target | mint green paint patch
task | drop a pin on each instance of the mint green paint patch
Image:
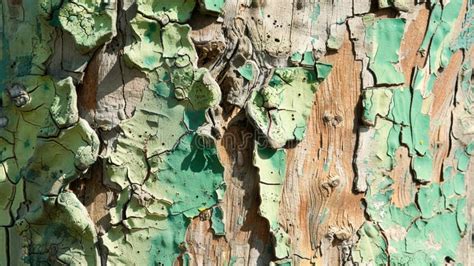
(430, 200)
(400, 106)
(466, 37)
(147, 50)
(177, 42)
(459, 184)
(376, 102)
(423, 167)
(188, 177)
(175, 10)
(370, 249)
(71, 232)
(385, 36)
(322, 70)
(280, 110)
(271, 166)
(470, 148)
(247, 71)
(438, 36)
(296, 58)
(393, 140)
(183, 181)
(433, 244)
(217, 222)
(215, 6)
(461, 215)
(420, 124)
(463, 160)
(308, 59)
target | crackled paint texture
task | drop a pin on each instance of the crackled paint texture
(45, 146)
(116, 116)
(396, 116)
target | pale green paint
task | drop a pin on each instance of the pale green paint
(280, 110)
(89, 22)
(167, 173)
(271, 166)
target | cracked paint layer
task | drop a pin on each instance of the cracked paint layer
(271, 166)
(90, 22)
(165, 163)
(280, 110)
(44, 147)
(399, 116)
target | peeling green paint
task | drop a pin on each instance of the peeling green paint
(385, 35)
(398, 116)
(212, 6)
(164, 164)
(281, 110)
(90, 22)
(271, 166)
(44, 147)
(217, 221)
(370, 248)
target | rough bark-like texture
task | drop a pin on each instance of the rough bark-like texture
(236, 132)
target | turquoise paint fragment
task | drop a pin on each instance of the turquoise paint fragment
(385, 35)
(423, 167)
(247, 71)
(213, 6)
(217, 222)
(462, 159)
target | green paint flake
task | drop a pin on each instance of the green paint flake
(174, 10)
(166, 170)
(376, 102)
(463, 160)
(429, 200)
(393, 140)
(400, 106)
(423, 167)
(281, 109)
(384, 36)
(322, 70)
(90, 23)
(420, 124)
(296, 58)
(247, 71)
(271, 166)
(217, 222)
(308, 59)
(147, 51)
(212, 6)
(370, 249)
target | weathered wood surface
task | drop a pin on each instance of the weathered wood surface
(337, 190)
